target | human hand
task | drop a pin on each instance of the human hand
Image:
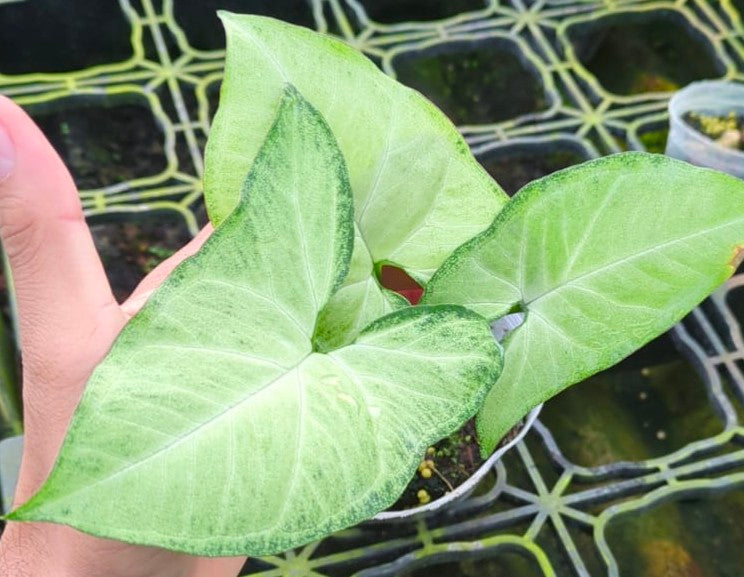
(68, 320)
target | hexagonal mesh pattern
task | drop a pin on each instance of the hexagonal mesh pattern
(602, 485)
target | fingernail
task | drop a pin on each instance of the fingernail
(7, 154)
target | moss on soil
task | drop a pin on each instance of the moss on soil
(727, 130)
(450, 463)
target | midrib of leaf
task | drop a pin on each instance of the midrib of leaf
(348, 371)
(504, 280)
(264, 298)
(218, 418)
(615, 302)
(629, 258)
(298, 446)
(579, 248)
(560, 333)
(301, 233)
(374, 191)
(267, 53)
(423, 215)
(378, 174)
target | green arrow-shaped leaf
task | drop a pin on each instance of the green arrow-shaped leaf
(418, 191)
(213, 428)
(603, 257)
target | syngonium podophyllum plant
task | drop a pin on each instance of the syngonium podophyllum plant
(271, 391)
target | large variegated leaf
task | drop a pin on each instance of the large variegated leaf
(603, 257)
(418, 191)
(214, 428)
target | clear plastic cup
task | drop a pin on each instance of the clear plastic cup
(712, 97)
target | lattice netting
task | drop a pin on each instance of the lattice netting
(638, 471)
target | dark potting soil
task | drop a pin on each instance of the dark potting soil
(726, 130)
(104, 142)
(641, 52)
(129, 250)
(515, 167)
(474, 82)
(449, 463)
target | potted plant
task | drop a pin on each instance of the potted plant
(272, 391)
(707, 125)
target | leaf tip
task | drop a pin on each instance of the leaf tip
(226, 16)
(291, 94)
(20, 513)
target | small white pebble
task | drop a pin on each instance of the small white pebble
(729, 139)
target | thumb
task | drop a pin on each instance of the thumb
(64, 300)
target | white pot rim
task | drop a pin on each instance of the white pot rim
(468, 486)
(696, 96)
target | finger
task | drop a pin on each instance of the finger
(153, 280)
(64, 299)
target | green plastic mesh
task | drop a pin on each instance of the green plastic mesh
(636, 472)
